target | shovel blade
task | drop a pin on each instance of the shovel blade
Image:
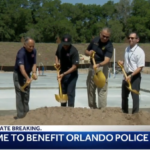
(99, 79)
(61, 98)
(134, 91)
(64, 97)
(57, 97)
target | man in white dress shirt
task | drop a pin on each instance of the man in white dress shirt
(134, 61)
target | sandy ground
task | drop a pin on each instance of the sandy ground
(77, 116)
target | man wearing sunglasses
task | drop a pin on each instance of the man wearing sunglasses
(104, 50)
(134, 61)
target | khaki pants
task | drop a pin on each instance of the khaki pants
(91, 89)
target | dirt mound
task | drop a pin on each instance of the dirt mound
(78, 116)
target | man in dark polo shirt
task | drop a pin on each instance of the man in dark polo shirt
(25, 63)
(68, 58)
(104, 50)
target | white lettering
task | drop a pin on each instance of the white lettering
(103, 137)
(130, 138)
(145, 138)
(13, 135)
(111, 137)
(76, 137)
(29, 138)
(69, 137)
(4, 137)
(20, 139)
(88, 137)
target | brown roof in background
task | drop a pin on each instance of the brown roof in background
(46, 52)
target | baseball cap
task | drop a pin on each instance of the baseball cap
(67, 39)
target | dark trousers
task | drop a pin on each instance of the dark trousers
(68, 87)
(22, 99)
(135, 83)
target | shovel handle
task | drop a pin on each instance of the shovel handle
(93, 60)
(122, 68)
(57, 67)
(26, 84)
(124, 72)
(59, 82)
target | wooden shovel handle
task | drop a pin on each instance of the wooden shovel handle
(93, 60)
(59, 81)
(26, 84)
(122, 68)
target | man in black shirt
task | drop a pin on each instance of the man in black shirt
(68, 58)
(104, 50)
(25, 63)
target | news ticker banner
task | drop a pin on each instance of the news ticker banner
(74, 137)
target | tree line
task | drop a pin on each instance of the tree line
(46, 20)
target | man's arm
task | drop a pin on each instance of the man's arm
(138, 70)
(89, 51)
(106, 61)
(73, 68)
(20, 61)
(75, 62)
(107, 57)
(34, 68)
(22, 69)
(56, 59)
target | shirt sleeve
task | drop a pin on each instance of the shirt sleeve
(141, 59)
(75, 58)
(109, 51)
(20, 58)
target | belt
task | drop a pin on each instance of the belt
(128, 73)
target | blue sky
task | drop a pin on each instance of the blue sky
(98, 2)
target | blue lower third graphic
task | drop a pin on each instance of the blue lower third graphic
(75, 140)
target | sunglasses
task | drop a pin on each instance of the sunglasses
(132, 38)
(107, 37)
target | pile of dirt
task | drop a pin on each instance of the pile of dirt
(78, 116)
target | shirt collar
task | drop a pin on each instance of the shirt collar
(133, 48)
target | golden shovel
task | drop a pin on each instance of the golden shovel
(22, 88)
(99, 77)
(62, 98)
(129, 87)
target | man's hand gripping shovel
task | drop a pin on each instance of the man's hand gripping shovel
(62, 98)
(129, 87)
(22, 88)
(99, 77)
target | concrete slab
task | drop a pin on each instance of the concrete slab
(44, 89)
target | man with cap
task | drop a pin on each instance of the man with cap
(68, 58)
(25, 63)
(103, 49)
